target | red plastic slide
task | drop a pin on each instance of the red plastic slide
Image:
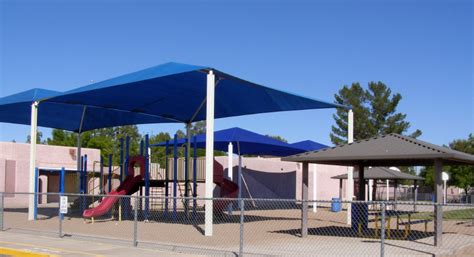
(127, 187)
(229, 189)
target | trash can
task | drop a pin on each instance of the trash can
(336, 205)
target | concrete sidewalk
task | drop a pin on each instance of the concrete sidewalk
(74, 247)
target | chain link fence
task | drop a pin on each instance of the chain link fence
(250, 227)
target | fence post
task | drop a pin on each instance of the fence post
(1, 210)
(242, 212)
(382, 230)
(135, 222)
(60, 219)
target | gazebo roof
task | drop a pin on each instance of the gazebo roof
(381, 173)
(388, 150)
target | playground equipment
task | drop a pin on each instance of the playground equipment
(128, 187)
(228, 188)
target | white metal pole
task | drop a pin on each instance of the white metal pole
(387, 188)
(350, 170)
(33, 135)
(230, 160)
(209, 153)
(315, 186)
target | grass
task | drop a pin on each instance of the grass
(462, 214)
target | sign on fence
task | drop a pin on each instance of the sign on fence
(63, 205)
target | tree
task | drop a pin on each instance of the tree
(279, 138)
(461, 176)
(39, 138)
(105, 139)
(375, 113)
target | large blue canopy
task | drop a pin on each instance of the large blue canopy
(170, 92)
(247, 142)
(177, 93)
(17, 109)
(308, 145)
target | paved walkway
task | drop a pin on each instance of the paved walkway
(49, 246)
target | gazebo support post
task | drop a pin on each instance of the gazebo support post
(33, 136)
(209, 153)
(438, 222)
(361, 195)
(304, 199)
(395, 194)
(415, 194)
(340, 189)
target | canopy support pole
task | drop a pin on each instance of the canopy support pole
(350, 169)
(230, 160)
(33, 135)
(438, 222)
(209, 153)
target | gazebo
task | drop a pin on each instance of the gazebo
(384, 151)
(381, 173)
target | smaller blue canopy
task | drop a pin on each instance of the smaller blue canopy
(308, 145)
(246, 141)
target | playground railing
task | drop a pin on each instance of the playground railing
(250, 227)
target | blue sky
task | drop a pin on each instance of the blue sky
(421, 49)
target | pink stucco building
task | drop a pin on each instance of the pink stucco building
(14, 168)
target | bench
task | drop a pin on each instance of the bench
(407, 225)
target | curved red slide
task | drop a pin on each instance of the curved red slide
(127, 187)
(229, 189)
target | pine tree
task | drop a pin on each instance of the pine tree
(375, 113)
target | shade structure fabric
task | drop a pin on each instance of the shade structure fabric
(244, 141)
(177, 93)
(381, 173)
(308, 145)
(17, 109)
(388, 150)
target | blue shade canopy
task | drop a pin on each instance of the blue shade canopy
(308, 145)
(17, 109)
(248, 142)
(177, 93)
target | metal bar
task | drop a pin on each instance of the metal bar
(242, 216)
(382, 230)
(62, 176)
(438, 222)
(175, 175)
(36, 193)
(167, 177)
(121, 159)
(187, 152)
(147, 177)
(110, 173)
(135, 223)
(194, 177)
(60, 232)
(304, 198)
(2, 202)
(127, 154)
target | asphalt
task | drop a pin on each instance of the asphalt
(50, 246)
